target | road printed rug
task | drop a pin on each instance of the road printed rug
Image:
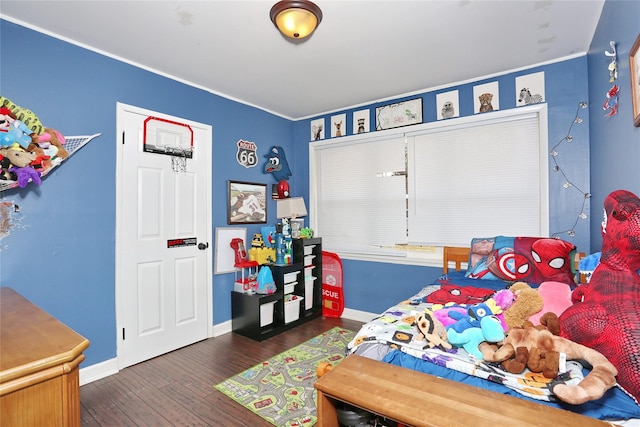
(280, 389)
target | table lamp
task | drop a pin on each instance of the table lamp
(291, 209)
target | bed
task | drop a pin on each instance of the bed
(391, 337)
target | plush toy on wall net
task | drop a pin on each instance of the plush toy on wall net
(605, 314)
(278, 166)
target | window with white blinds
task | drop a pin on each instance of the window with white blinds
(439, 184)
(360, 189)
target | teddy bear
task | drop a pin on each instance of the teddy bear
(605, 314)
(527, 302)
(542, 344)
(431, 330)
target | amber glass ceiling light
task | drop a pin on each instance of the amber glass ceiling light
(296, 19)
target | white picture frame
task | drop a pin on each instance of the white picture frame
(486, 98)
(447, 105)
(338, 125)
(361, 121)
(530, 89)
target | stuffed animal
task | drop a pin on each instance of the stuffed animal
(13, 131)
(527, 302)
(542, 342)
(431, 330)
(549, 321)
(490, 330)
(605, 315)
(556, 298)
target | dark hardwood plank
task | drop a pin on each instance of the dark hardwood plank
(176, 389)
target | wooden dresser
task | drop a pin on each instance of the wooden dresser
(39, 359)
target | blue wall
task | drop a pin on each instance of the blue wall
(368, 285)
(63, 259)
(615, 142)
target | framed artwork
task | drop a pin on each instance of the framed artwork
(487, 98)
(247, 203)
(634, 68)
(338, 125)
(530, 89)
(360, 121)
(317, 129)
(399, 114)
(448, 105)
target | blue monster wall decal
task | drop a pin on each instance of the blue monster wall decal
(277, 164)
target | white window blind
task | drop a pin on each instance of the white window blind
(438, 184)
(472, 181)
(361, 198)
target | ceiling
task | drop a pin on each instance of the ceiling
(362, 52)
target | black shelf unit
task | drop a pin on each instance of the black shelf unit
(245, 308)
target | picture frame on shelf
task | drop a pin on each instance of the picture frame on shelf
(634, 74)
(246, 203)
(399, 114)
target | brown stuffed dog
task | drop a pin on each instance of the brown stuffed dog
(542, 342)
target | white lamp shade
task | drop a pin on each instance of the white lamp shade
(293, 207)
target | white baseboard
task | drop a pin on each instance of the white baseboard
(101, 370)
(98, 371)
(360, 316)
(221, 329)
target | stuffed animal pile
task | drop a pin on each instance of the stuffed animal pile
(605, 315)
(27, 148)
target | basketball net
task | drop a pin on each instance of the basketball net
(179, 157)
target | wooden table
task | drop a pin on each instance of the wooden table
(419, 400)
(39, 381)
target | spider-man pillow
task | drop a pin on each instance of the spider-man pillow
(528, 259)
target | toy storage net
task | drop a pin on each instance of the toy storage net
(72, 144)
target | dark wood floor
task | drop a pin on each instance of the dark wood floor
(176, 389)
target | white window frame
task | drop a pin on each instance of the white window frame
(421, 253)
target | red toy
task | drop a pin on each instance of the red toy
(606, 312)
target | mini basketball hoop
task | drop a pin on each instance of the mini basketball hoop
(169, 138)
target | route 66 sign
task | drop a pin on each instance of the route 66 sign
(246, 155)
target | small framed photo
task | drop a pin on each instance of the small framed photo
(448, 105)
(247, 203)
(317, 129)
(338, 125)
(399, 114)
(360, 121)
(634, 71)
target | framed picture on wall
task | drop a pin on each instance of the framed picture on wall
(247, 203)
(634, 71)
(399, 114)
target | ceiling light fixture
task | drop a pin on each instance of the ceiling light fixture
(296, 19)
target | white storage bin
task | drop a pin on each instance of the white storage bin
(289, 287)
(292, 308)
(291, 277)
(308, 250)
(308, 271)
(266, 313)
(308, 260)
(308, 292)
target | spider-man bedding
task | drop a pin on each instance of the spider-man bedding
(394, 338)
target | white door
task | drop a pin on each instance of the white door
(163, 232)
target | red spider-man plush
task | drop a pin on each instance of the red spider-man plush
(606, 312)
